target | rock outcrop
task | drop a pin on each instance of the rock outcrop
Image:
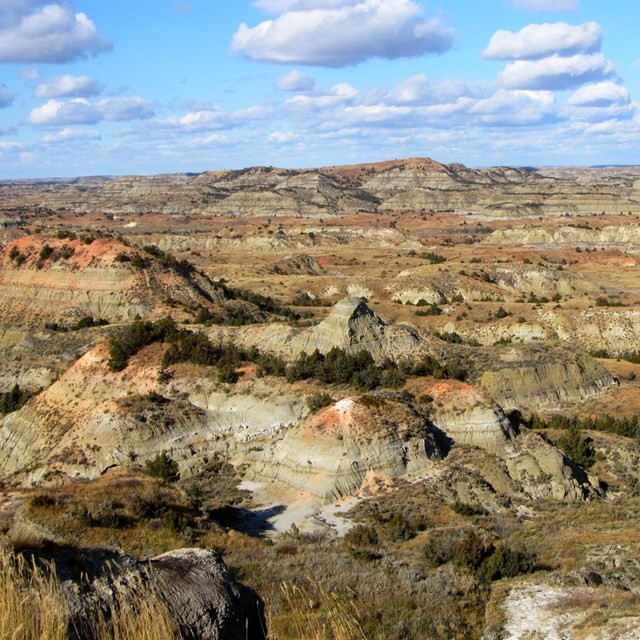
(201, 596)
(468, 416)
(62, 280)
(417, 184)
(330, 454)
(533, 380)
(351, 326)
(300, 264)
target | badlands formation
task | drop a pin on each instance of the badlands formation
(384, 358)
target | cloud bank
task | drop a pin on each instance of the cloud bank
(49, 34)
(68, 86)
(339, 33)
(537, 41)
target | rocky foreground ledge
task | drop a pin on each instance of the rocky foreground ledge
(200, 595)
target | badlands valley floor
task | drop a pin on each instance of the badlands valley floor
(400, 399)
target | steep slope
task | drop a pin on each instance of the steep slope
(351, 326)
(60, 280)
(416, 184)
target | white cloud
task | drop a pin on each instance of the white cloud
(556, 72)
(208, 141)
(6, 97)
(601, 94)
(281, 136)
(71, 135)
(339, 93)
(546, 5)
(52, 33)
(68, 86)
(81, 111)
(540, 40)
(338, 33)
(515, 108)
(296, 81)
(418, 90)
(280, 6)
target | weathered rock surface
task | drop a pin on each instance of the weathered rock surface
(300, 264)
(331, 454)
(414, 184)
(529, 379)
(194, 584)
(468, 416)
(92, 419)
(78, 279)
(627, 236)
(351, 326)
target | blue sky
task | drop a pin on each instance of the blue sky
(142, 86)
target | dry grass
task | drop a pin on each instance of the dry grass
(315, 614)
(33, 608)
(140, 616)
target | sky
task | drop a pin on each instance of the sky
(113, 87)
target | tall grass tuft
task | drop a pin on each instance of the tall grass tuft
(31, 605)
(32, 608)
(137, 616)
(315, 614)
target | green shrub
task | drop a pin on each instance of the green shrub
(577, 447)
(464, 509)
(12, 400)
(400, 529)
(318, 401)
(163, 467)
(42, 500)
(361, 536)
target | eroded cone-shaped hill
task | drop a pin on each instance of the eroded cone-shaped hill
(351, 326)
(61, 280)
(331, 454)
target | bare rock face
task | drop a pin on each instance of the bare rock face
(62, 280)
(413, 184)
(194, 584)
(542, 382)
(351, 326)
(331, 453)
(300, 264)
(468, 416)
(609, 236)
(542, 471)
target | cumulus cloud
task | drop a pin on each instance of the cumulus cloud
(50, 33)
(338, 33)
(546, 5)
(515, 108)
(68, 86)
(540, 40)
(556, 72)
(71, 135)
(81, 111)
(211, 119)
(601, 94)
(213, 139)
(418, 90)
(6, 97)
(281, 136)
(338, 94)
(296, 81)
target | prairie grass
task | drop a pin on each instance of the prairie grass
(30, 602)
(314, 613)
(32, 607)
